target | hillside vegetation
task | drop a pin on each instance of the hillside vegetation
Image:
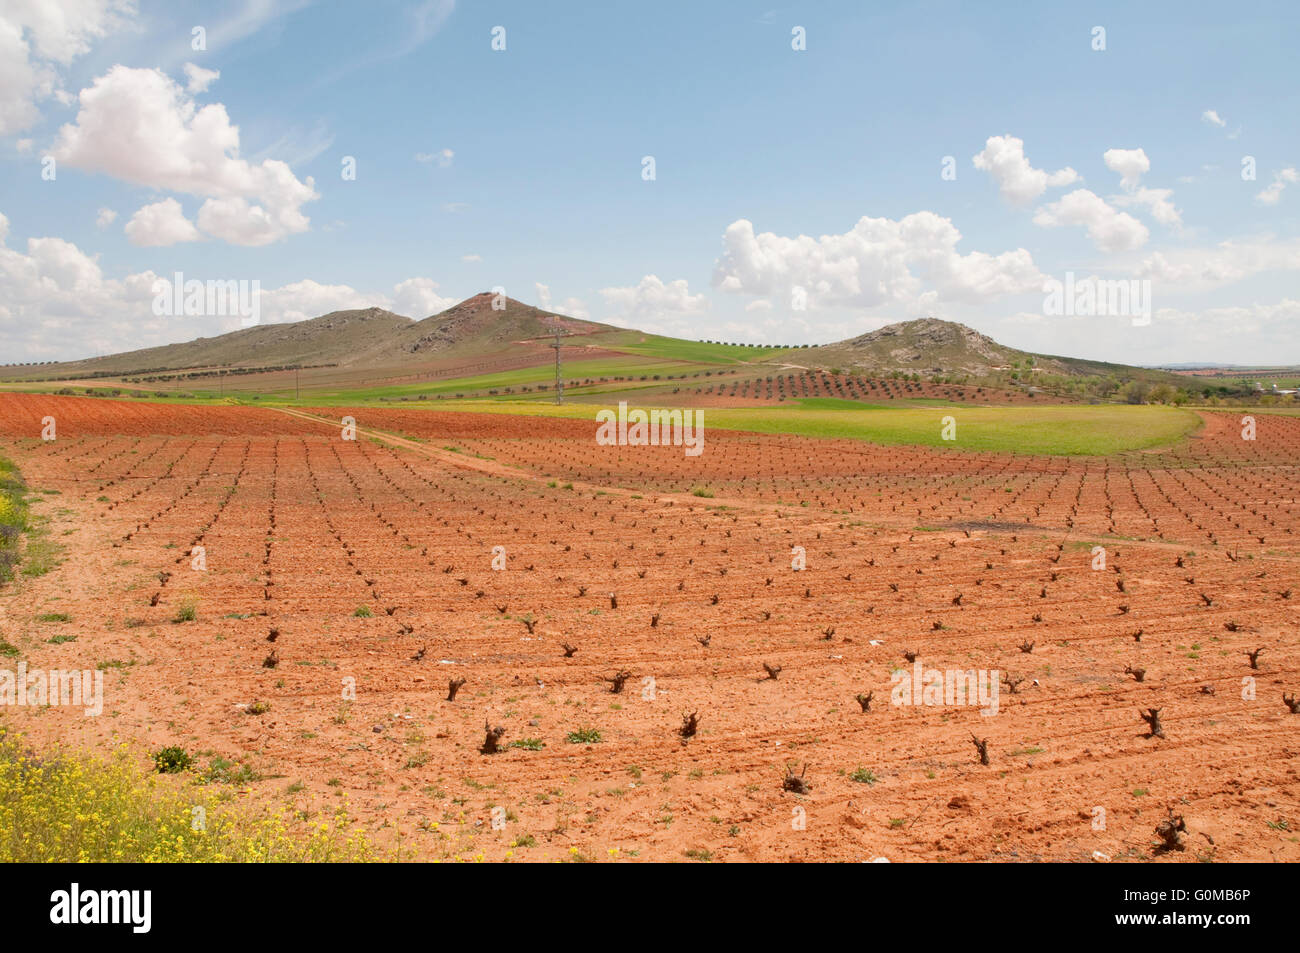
(474, 349)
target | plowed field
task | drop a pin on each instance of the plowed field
(371, 561)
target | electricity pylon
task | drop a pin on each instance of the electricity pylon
(559, 364)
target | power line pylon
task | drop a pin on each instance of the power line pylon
(559, 379)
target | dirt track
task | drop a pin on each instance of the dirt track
(961, 558)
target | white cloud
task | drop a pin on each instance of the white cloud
(199, 79)
(443, 157)
(1247, 334)
(1109, 230)
(1259, 333)
(105, 217)
(37, 38)
(56, 297)
(571, 307)
(419, 298)
(22, 82)
(162, 223)
(59, 305)
(239, 222)
(301, 300)
(140, 126)
(23, 145)
(471, 258)
(1281, 179)
(1158, 201)
(1131, 164)
(1202, 269)
(912, 262)
(651, 303)
(1214, 119)
(1019, 182)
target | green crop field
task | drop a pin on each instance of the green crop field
(573, 370)
(678, 349)
(1050, 429)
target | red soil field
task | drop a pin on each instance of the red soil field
(21, 416)
(970, 561)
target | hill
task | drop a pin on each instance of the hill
(337, 337)
(473, 348)
(931, 347)
(926, 346)
(361, 338)
(474, 328)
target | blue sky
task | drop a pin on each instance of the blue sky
(523, 167)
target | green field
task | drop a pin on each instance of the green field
(679, 349)
(1068, 429)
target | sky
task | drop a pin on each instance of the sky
(725, 170)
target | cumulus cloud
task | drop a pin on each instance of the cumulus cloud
(912, 262)
(1212, 118)
(22, 82)
(1281, 180)
(301, 300)
(56, 303)
(37, 38)
(1109, 230)
(1019, 182)
(1202, 269)
(140, 126)
(419, 298)
(653, 303)
(570, 307)
(54, 294)
(162, 223)
(199, 79)
(105, 217)
(1159, 202)
(1131, 164)
(1247, 334)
